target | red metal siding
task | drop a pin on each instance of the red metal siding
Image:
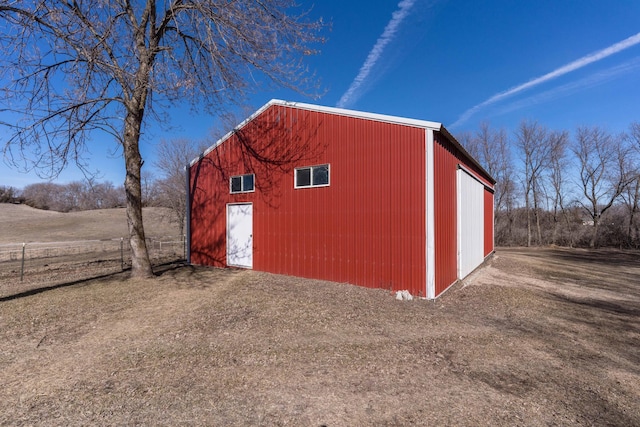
(445, 213)
(366, 228)
(488, 222)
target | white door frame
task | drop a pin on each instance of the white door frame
(240, 235)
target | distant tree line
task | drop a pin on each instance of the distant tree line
(557, 189)
(74, 196)
(167, 189)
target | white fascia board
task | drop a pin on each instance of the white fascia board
(330, 110)
(361, 114)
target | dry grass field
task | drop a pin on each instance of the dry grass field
(21, 223)
(63, 247)
(537, 337)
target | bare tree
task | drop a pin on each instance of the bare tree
(173, 157)
(634, 133)
(605, 172)
(631, 198)
(532, 141)
(494, 153)
(631, 195)
(79, 66)
(105, 195)
(149, 188)
(558, 164)
(42, 195)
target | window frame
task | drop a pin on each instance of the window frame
(242, 189)
(311, 169)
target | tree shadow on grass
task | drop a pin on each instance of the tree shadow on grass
(122, 275)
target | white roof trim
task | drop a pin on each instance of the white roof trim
(359, 114)
(331, 110)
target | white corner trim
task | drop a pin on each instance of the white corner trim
(458, 223)
(430, 212)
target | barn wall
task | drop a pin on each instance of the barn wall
(366, 228)
(445, 213)
(447, 157)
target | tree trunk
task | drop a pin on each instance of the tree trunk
(140, 264)
(538, 228)
(570, 230)
(594, 236)
(557, 203)
(510, 229)
(536, 211)
(632, 213)
(630, 229)
(528, 221)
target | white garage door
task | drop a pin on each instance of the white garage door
(470, 223)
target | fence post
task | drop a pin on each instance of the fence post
(122, 253)
(22, 266)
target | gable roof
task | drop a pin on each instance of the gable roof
(347, 113)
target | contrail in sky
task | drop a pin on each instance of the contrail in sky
(572, 87)
(572, 66)
(387, 36)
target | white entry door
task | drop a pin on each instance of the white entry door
(470, 223)
(240, 235)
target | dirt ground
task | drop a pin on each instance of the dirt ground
(537, 337)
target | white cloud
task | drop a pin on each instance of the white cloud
(572, 66)
(350, 96)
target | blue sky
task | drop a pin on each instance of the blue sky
(564, 63)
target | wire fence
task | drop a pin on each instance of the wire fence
(33, 264)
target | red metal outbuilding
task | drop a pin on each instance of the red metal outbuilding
(347, 196)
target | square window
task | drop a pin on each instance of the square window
(242, 183)
(312, 176)
(321, 175)
(247, 183)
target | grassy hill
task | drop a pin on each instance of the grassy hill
(21, 223)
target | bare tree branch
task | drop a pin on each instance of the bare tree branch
(605, 171)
